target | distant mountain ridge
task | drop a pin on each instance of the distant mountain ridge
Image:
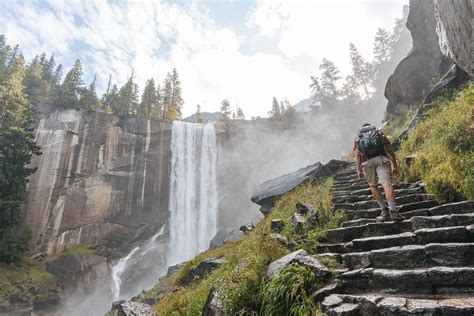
(207, 117)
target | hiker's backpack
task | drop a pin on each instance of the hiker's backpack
(370, 142)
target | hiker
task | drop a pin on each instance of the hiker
(376, 162)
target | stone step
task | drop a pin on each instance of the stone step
(368, 192)
(411, 256)
(359, 222)
(350, 228)
(347, 198)
(346, 234)
(369, 304)
(364, 187)
(349, 182)
(445, 209)
(435, 280)
(457, 234)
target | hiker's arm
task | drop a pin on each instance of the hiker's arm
(360, 173)
(393, 159)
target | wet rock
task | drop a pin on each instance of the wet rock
(172, 269)
(91, 179)
(46, 301)
(277, 225)
(268, 192)
(454, 28)
(69, 270)
(247, 228)
(201, 269)
(301, 257)
(213, 306)
(309, 211)
(425, 64)
(224, 235)
(406, 281)
(345, 309)
(130, 308)
(357, 260)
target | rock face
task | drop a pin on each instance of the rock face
(85, 269)
(454, 29)
(213, 306)
(268, 192)
(425, 64)
(201, 269)
(100, 180)
(129, 308)
(301, 257)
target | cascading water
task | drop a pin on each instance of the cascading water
(193, 190)
(150, 250)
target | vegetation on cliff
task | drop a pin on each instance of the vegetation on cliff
(442, 147)
(241, 282)
(17, 147)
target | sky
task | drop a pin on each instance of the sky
(243, 51)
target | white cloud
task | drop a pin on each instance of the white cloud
(151, 37)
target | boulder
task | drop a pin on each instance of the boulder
(201, 269)
(312, 215)
(301, 257)
(268, 192)
(247, 228)
(71, 269)
(224, 235)
(277, 225)
(213, 306)
(173, 269)
(423, 67)
(454, 28)
(130, 308)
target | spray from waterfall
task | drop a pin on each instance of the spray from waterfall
(149, 250)
(193, 190)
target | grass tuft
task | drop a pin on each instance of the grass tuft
(443, 149)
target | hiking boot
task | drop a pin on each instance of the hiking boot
(385, 215)
(396, 216)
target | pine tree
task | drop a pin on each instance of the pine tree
(240, 114)
(324, 90)
(382, 52)
(88, 97)
(5, 51)
(109, 99)
(176, 101)
(18, 146)
(225, 110)
(362, 71)
(275, 112)
(157, 110)
(149, 100)
(167, 97)
(71, 88)
(127, 100)
(198, 115)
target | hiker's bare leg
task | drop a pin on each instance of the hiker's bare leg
(375, 192)
(389, 192)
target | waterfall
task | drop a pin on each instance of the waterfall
(193, 190)
(150, 250)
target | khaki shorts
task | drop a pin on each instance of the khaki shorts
(377, 167)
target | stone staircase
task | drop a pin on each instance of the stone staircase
(423, 265)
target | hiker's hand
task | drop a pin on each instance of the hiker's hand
(361, 175)
(395, 173)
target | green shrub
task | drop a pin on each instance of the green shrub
(241, 282)
(288, 293)
(443, 149)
